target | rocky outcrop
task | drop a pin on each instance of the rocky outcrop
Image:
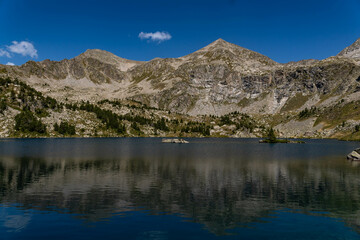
(354, 155)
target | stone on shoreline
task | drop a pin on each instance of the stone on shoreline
(354, 155)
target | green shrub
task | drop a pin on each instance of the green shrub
(357, 128)
(3, 106)
(270, 135)
(161, 125)
(307, 113)
(110, 119)
(225, 120)
(65, 128)
(27, 122)
(135, 126)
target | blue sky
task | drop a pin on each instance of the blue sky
(282, 30)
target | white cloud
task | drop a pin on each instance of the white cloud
(156, 36)
(10, 64)
(24, 48)
(4, 53)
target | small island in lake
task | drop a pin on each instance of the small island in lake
(175, 140)
(271, 138)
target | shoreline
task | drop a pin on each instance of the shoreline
(165, 137)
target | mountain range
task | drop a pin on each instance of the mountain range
(309, 98)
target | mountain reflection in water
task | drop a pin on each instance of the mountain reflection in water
(222, 184)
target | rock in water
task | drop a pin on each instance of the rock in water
(354, 155)
(174, 141)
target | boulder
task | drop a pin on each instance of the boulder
(174, 141)
(354, 155)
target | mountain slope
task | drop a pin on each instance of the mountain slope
(215, 80)
(223, 77)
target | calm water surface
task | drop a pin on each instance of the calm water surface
(127, 188)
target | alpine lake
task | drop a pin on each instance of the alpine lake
(210, 188)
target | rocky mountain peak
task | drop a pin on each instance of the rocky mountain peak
(221, 50)
(108, 58)
(101, 55)
(353, 51)
(220, 44)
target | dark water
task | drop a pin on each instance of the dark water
(208, 189)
